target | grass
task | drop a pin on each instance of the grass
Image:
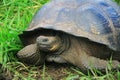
(117, 1)
(14, 18)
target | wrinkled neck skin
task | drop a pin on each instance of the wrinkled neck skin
(64, 44)
(83, 52)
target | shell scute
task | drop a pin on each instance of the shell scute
(97, 20)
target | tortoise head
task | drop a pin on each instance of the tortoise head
(48, 43)
(55, 44)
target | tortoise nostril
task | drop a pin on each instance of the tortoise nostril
(44, 40)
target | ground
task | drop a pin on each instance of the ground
(15, 15)
(49, 71)
(53, 71)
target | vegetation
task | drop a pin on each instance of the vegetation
(14, 17)
(117, 1)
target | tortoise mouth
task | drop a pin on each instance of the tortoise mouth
(48, 47)
(44, 47)
(48, 43)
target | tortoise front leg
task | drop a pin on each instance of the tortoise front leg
(55, 58)
(31, 55)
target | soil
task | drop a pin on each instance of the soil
(51, 71)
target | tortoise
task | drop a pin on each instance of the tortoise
(85, 33)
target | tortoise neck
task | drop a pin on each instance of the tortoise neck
(64, 44)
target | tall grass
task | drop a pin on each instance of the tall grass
(14, 18)
(15, 15)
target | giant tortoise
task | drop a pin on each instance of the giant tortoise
(85, 33)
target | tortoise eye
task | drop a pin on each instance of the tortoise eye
(44, 40)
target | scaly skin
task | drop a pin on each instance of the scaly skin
(81, 52)
(85, 55)
(31, 55)
(80, 56)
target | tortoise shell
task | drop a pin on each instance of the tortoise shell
(97, 20)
